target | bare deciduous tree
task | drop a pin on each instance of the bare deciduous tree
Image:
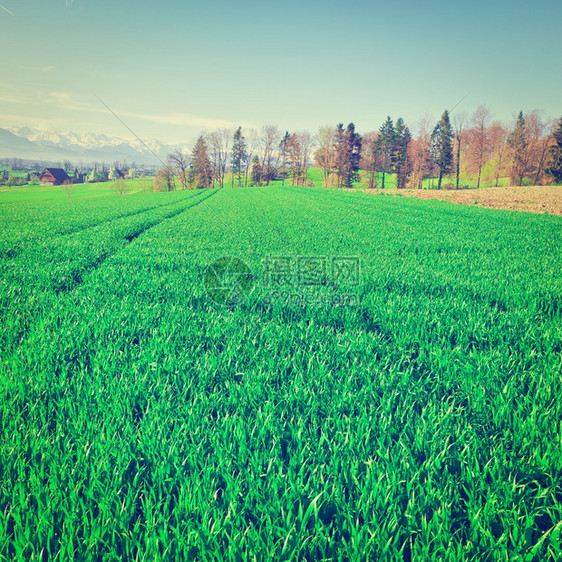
(299, 148)
(120, 187)
(324, 157)
(68, 188)
(164, 180)
(459, 120)
(498, 144)
(479, 141)
(307, 142)
(420, 155)
(219, 148)
(179, 163)
(270, 140)
(369, 158)
(252, 144)
(540, 138)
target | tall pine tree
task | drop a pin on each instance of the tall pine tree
(442, 141)
(402, 138)
(239, 155)
(201, 174)
(555, 165)
(385, 148)
(347, 154)
(256, 171)
(518, 141)
(284, 146)
(354, 150)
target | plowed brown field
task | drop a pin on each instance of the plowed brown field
(536, 199)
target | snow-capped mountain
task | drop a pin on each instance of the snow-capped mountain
(27, 143)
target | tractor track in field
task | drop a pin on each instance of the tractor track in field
(127, 215)
(8, 253)
(137, 233)
(77, 277)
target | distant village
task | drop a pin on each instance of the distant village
(59, 176)
(17, 172)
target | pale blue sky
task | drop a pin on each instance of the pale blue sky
(172, 69)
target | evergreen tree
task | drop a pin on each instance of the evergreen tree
(201, 174)
(555, 165)
(402, 138)
(354, 151)
(385, 148)
(256, 171)
(347, 154)
(340, 154)
(518, 141)
(284, 148)
(239, 155)
(442, 141)
(95, 176)
(113, 175)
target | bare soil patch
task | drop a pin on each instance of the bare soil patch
(536, 199)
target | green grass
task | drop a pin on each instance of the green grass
(38, 193)
(315, 176)
(140, 420)
(18, 173)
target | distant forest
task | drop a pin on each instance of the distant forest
(456, 151)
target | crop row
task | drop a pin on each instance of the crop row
(58, 263)
(26, 224)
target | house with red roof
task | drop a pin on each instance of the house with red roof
(53, 176)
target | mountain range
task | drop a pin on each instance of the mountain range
(33, 144)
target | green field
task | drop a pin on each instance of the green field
(410, 412)
(314, 177)
(40, 193)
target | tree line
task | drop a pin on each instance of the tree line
(444, 154)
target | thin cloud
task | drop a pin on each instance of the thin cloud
(68, 101)
(63, 100)
(73, 104)
(8, 98)
(185, 120)
(13, 120)
(60, 96)
(6, 10)
(37, 68)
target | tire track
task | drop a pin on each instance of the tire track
(75, 278)
(12, 250)
(128, 215)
